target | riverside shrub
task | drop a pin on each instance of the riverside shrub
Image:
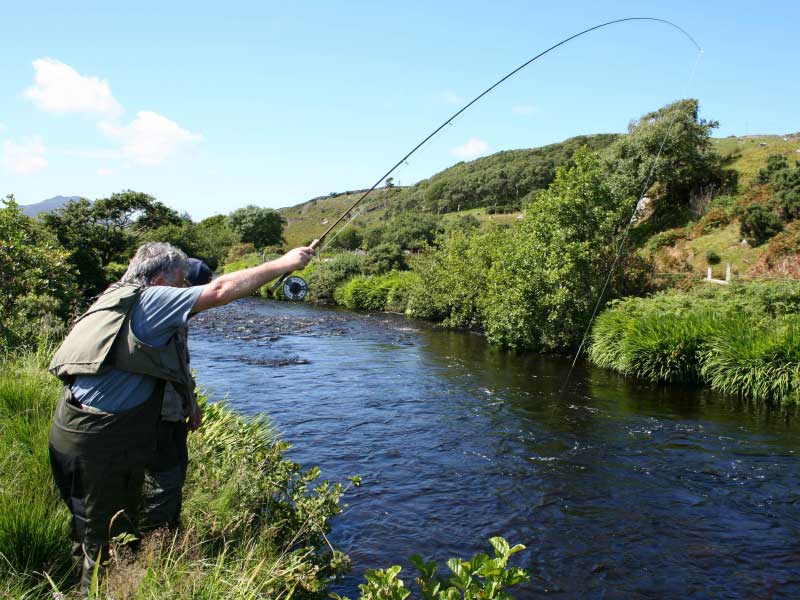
(330, 274)
(547, 272)
(741, 339)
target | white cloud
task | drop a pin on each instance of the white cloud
(59, 88)
(23, 158)
(104, 172)
(525, 110)
(450, 97)
(472, 149)
(3, 127)
(152, 139)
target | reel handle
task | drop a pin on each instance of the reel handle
(283, 277)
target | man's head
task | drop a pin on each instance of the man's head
(156, 263)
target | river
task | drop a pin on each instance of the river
(618, 488)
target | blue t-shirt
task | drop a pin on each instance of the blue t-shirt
(158, 315)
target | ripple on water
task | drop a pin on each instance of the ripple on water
(619, 489)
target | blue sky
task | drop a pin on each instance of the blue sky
(212, 106)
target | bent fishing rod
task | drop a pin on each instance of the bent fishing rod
(295, 287)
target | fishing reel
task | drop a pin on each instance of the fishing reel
(294, 288)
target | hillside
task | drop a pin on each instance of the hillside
(48, 205)
(493, 188)
(502, 180)
(748, 154)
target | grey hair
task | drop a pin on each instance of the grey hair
(152, 260)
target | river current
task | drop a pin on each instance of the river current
(618, 488)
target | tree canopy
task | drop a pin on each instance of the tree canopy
(258, 225)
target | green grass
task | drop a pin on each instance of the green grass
(254, 521)
(742, 339)
(748, 155)
(726, 243)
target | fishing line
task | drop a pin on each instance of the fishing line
(449, 120)
(628, 226)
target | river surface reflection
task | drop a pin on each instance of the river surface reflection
(618, 488)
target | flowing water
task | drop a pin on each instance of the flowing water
(618, 488)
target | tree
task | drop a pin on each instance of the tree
(258, 225)
(384, 258)
(413, 231)
(106, 231)
(389, 182)
(547, 272)
(686, 159)
(38, 291)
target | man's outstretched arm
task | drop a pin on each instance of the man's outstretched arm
(243, 283)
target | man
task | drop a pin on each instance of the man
(115, 364)
(165, 473)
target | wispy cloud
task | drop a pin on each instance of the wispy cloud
(3, 127)
(472, 149)
(23, 158)
(104, 172)
(152, 139)
(449, 97)
(60, 89)
(525, 110)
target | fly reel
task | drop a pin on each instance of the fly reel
(295, 288)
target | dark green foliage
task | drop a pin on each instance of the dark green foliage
(504, 178)
(452, 279)
(38, 290)
(105, 231)
(758, 223)
(548, 270)
(258, 225)
(349, 238)
(687, 162)
(383, 258)
(712, 258)
(330, 274)
(208, 240)
(775, 164)
(787, 192)
(412, 231)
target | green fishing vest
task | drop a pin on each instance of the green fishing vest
(102, 339)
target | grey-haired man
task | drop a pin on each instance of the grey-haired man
(115, 364)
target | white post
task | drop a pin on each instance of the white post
(728, 272)
(709, 273)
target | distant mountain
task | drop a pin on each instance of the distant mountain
(48, 205)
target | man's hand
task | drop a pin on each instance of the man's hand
(196, 418)
(241, 284)
(298, 258)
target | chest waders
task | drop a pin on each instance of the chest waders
(98, 458)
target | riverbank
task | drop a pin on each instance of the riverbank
(742, 339)
(252, 523)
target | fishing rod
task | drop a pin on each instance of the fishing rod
(295, 288)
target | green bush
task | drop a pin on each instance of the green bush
(756, 362)
(758, 223)
(742, 338)
(383, 258)
(38, 292)
(712, 258)
(713, 219)
(330, 274)
(666, 347)
(376, 292)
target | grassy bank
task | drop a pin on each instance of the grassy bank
(742, 339)
(253, 521)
